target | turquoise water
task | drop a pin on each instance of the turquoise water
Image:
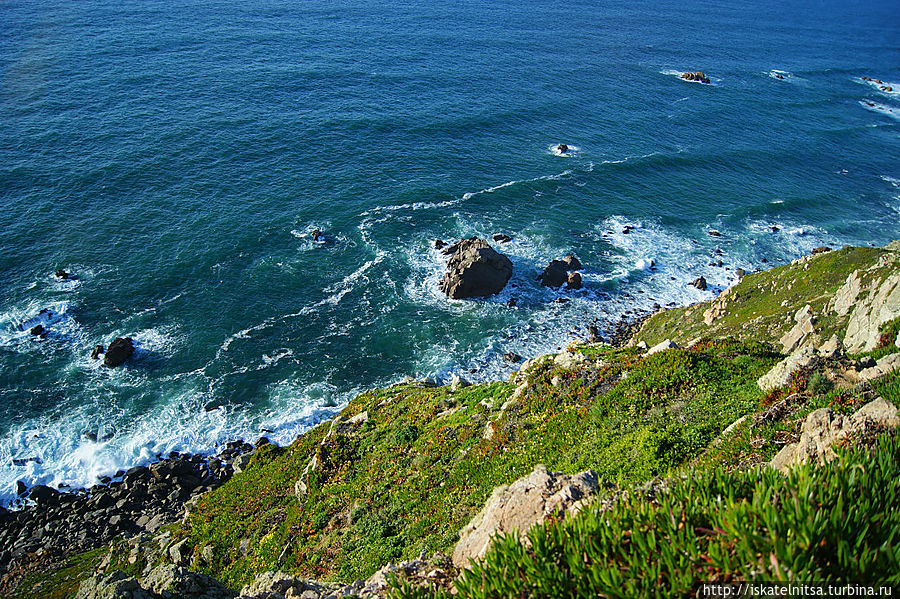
(175, 156)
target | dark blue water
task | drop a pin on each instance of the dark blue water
(175, 157)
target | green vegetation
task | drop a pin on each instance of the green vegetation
(60, 582)
(406, 480)
(763, 304)
(836, 523)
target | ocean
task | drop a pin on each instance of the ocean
(174, 157)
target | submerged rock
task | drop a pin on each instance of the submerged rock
(119, 350)
(475, 269)
(699, 76)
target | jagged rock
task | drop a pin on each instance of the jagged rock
(119, 350)
(241, 462)
(821, 249)
(555, 274)
(272, 585)
(475, 269)
(831, 349)
(885, 365)
(360, 418)
(512, 357)
(870, 310)
(527, 501)
(563, 148)
(501, 238)
(803, 333)
(174, 582)
(115, 585)
(97, 351)
(439, 244)
(572, 263)
(696, 76)
(62, 274)
(662, 346)
(178, 551)
(38, 330)
(569, 360)
(457, 382)
(699, 283)
(780, 374)
(823, 427)
(573, 281)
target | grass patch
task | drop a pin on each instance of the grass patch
(836, 523)
(61, 582)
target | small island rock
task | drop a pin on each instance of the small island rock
(119, 350)
(475, 269)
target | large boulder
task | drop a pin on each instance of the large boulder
(870, 303)
(823, 427)
(519, 506)
(115, 585)
(475, 269)
(803, 333)
(119, 350)
(555, 274)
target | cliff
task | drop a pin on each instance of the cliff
(403, 470)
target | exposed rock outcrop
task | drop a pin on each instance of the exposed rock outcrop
(558, 272)
(119, 350)
(870, 304)
(699, 76)
(780, 374)
(115, 585)
(824, 427)
(517, 507)
(475, 269)
(803, 333)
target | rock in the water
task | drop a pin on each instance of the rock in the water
(699, 283)
(38, 330)
(95, 353)
(527, 501)
(823, 427)
(563, 148)
(475, 269)
(512, 357)
(572, 263)
(439, 244)
(502, 238)
(119, 350)
(573, 281)
(714, 233)
(555, 274)
(62, 274)
(42, 493)
(699, 76)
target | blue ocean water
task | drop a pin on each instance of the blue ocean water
(174, 157)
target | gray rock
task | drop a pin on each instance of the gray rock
(475, 269)
(174, 582)
(875, 304)
(241, 462)
(822, 428)
(780, 374)
(519, 506)
(803, 333)
(662, 346)
(115, 585)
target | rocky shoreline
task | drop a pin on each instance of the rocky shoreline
(51, 524)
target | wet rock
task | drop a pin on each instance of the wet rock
(475, 269)
(42, 494)
(62, 274)
(517, 507)
(554, 274)
(699, 283)
(699, 76)
(714, 233)
(501, 238)
(39, 330)
(562, 148)
(97, 351)
(573, 281)
(119, 350)
(439, 244)
(572, 263)
(512, 357)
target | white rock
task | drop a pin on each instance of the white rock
(662, 346)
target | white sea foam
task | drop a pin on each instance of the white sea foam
(884, 109)
(571, 151)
